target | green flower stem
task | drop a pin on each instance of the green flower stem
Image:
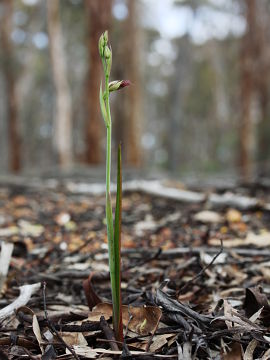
(113, 257)
(109, 216)
(113, 230)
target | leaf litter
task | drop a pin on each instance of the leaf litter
(184, 296)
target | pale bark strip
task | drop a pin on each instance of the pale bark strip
(62, 136)
(5, 257)
(26, 291)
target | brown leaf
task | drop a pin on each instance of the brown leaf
(101, 309)
(92, 298)
(74, 338)
(35, 325)
(142, 320)
(234, 354)
(158, 342)
(255, 299)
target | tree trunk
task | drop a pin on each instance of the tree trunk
(176, 140)
(63, 115)
(262, 85)
(9, 77)
(247, 89)
(133, 115)
(98, 19)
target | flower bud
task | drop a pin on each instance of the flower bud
(102, 43)
(118, 84)
(107, 53)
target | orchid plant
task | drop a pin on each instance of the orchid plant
(113, 230)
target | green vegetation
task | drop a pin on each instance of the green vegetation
(113, 232)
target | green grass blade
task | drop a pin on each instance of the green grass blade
(116, 286)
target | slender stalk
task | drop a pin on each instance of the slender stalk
(117, 319)
(113, 258)
(109, 136)
(113, 232)
(109, 215)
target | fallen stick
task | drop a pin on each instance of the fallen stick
(178, 252)
(196, 277)
(26, 292)
(157, 188)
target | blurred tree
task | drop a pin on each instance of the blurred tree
(177, 94)
(99, 19)
(247, 58)
(262, 83)
(6, 13)
(62, 136)
(127, 108)
(132, 115)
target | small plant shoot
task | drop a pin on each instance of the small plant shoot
(113, 230)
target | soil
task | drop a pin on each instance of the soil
(195, 276)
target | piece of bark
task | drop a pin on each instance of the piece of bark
(5, 257)
(26, 291)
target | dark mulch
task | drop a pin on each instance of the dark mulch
(213, 307)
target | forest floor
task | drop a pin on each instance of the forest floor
(195, 280)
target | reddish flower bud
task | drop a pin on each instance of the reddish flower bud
(124, 83)
(118, 84)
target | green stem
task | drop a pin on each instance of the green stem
(108, 162)
(109, 136)
(109, 216)
(113, 234)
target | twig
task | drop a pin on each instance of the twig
(52, 328)
(77, 250)
(30, 355)
(151, 337)
(150, 258)
(203, 270)
(179, 252)
(108, 333)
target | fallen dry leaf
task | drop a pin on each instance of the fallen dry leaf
(248, 355)
(102, 309)
(235, 353)
(255, 299)
(142, 320)
(85, 351)
(158, 342)
(35, 325)
(184, 352)
(73, 338)
(266, 355)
